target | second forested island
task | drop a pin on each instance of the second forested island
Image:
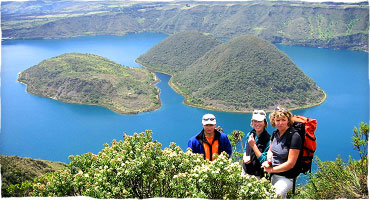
(239, 75)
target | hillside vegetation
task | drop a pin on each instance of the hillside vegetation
(178, 51)
(91, 79)
(16, 170)
(329, 25)
(239, 75)
(138, 167)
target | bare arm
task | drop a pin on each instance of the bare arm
(289, 164)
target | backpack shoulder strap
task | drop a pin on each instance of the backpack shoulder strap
(290, 133)
(273, 135)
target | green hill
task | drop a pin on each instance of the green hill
(91, 79)
(246, 73)
(177, 51)
(15, 170)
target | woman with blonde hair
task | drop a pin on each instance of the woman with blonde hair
(284, 151)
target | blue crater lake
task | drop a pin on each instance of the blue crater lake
(43, 128)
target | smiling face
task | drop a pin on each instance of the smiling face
(259, 126)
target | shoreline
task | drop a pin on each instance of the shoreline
(355, 48)
(173, 87)
(114, 109)
(177, 90)
(185, 102)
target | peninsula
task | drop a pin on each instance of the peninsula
(91, 79)
(239, 75)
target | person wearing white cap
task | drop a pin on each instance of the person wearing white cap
(210, 141)
(257, 145)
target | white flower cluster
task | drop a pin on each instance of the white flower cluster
(138, 168)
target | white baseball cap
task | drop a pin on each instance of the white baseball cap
(208, 119)
(259, 115)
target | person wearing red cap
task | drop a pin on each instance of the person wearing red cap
(210, 141)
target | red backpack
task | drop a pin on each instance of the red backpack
(306, 128)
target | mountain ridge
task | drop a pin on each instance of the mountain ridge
(336, 26)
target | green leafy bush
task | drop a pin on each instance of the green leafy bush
(137, 167)
(360, 139)
(236, 139)
(337, 179)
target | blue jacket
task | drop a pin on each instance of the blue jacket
(196, 143)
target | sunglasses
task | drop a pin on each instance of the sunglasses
(210, 119)
(281, 109)
(259, 112)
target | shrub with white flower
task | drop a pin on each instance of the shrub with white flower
(137, 167)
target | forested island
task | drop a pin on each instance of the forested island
(91, 79)
(239, 75)
(327, 25)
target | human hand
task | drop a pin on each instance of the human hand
(267, 169)
(251, 140)
(265, 164)
(246, 159)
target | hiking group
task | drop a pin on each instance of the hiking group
(283, 155)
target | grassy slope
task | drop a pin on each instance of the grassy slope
(343, 26)
(15, 170)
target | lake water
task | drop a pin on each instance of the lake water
(43, 128)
